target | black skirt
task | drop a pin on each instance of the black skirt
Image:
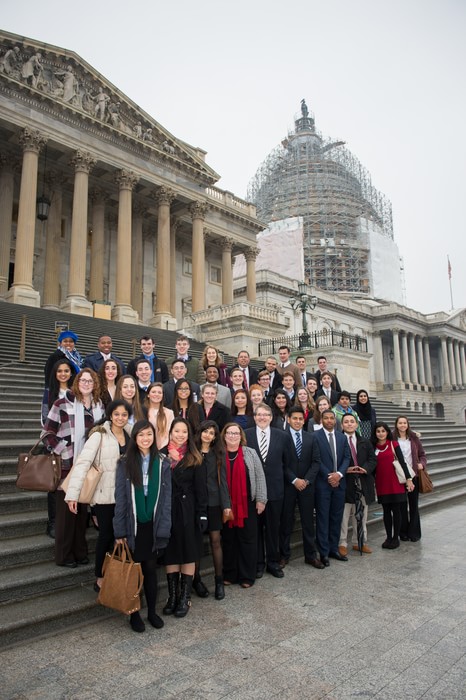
(144, 542)
(214, 517)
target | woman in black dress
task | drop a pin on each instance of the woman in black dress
(189, 516)
(241, 409)
(208, 442)
(143, 511)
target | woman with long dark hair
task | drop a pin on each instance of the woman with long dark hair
(390, 493)
(209, 444)
(109, 374)
(241, 409)
(366, 414)
(415, 457)
(211, 357)
(183, 398)
(189, 516)
(143, 511)
(280, 406)
(105, 445)
(127, 389)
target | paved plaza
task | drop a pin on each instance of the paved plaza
(388, 625)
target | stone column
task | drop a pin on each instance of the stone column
(76, 301)
(123, 311)
(137, 271)
(22, 291)
(451, 362)
(404, 353)
(7, 183)
(198, 212)
(427, 362)
(463, 363)
(446, 369)
(227, 271)
(251, 255)
(51, 298)
(173, 229)
(163, 317)
(420, 361)
(412, 359)
(96, 275)
(396, 354)
(378, 359)
(456, 352)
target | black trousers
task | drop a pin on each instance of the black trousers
(268, 535)
(392, 519)
(105, 540)
(305, 501)
(70, 532)
(410, 520)
(240, 549)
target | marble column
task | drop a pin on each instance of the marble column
(173, 229)
(51, 298)
(405, 358)
(7, 184)
(427, 362)
(22, 291)
(198, 212)
(451, 362)
(378, 359)
(76, 301)
(463, 363)
(456, 352)
(251, 255)
(227, 271)
(123, 311)
(412, 359)
(445, 367)
(137, 270)
(96, 274)
(420, 361)
(396, 355)
(162, 317)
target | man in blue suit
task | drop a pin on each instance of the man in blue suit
(330, 487)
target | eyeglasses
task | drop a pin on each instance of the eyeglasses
(262, 415)
(183, 388)
(233, 434)
(86, 381)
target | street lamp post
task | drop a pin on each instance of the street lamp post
(306, 301)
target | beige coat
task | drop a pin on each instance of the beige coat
(106, 458)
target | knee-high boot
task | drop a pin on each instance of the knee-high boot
(172, 601)
(184, 602)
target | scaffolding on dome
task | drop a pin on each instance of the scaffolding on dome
(324, 183)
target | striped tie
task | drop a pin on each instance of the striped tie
(263, 446)
(299, 444)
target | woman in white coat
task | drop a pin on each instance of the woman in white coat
(106, 444)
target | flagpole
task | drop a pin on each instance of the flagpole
(449, 279)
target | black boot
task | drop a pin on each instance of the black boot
(184, 602)
(200, 587)
(219, 588)
(137, 625)
(51, 510)
(172, 602)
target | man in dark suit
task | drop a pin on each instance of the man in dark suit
(274, 448)
(361, 469)
(335, 457)
(326, 389)
(263, 380)
(323, 367)
(178, 371)
(300, 477)
(143, 372)
(96, 359)
(250, 374)
(301, 365)
(159, 369)
(275, 377)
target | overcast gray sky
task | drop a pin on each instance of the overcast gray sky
(386, 76)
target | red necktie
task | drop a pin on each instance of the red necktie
(354, 454)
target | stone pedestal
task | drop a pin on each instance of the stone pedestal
(164, 321)
(125, 313)
(23, 295)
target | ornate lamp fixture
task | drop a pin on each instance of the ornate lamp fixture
(43, 202)
(306, 301)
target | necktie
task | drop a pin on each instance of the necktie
(263, 446)
(245, 380)
(283, 365)
(331, 442)
(304, 380)
(354, 454)
(299, 444)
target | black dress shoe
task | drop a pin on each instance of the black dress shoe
(316, 563)
(414, 539)
(69, 564)
(283, 562)
(259, 573)
(50, 530)
(82, 562)
(325, 561)
(276, 571)
(338, 556)
(404, 538)
(200, 588)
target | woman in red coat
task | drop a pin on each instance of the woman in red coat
(390, 493)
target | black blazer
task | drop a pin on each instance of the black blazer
(219, 413)
(334, 396)
(252, 374)
(335, 384)
(368, 461)
(307, 465)
(160, 369)
(169, 391)
(326, 460)
(276, 462)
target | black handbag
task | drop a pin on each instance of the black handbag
(38, 472)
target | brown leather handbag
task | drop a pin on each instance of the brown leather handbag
(425, 484)
(38, 472)
(91, 480)
(122, 581)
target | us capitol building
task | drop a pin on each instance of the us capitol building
(104, 212)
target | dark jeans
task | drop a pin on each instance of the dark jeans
(410, 521)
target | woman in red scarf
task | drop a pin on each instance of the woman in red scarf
(248, 493)
(189, 516)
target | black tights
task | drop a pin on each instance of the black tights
(217, 553)
(392, 520)
(149, 570)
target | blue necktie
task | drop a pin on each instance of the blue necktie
(299, 444)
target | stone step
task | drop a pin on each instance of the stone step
(19, 551)
(39, 577)
(23, 523)
(22, 501)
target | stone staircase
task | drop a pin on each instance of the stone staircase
(37, 597)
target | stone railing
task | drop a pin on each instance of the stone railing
(230, 200)
(240, 308)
